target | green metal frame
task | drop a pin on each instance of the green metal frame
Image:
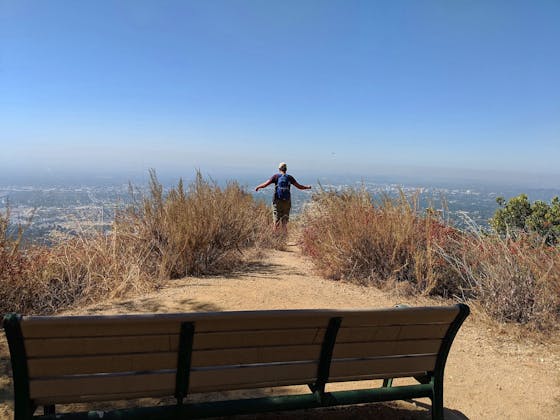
(324, 368)
(23, 405)
(430, 385)
(184, 361)
(437, 376)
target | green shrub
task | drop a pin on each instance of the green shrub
(518, 216)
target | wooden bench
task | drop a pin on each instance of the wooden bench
(69, 359)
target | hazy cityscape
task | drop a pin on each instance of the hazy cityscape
(51, 213)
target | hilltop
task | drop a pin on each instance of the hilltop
(490, 374)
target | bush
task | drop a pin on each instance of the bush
(199, 231)
(518, 216)
(202, 230)
(348, 236)
(513, 280)
(43, 280)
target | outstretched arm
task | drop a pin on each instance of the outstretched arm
(264, 184)
(301, 187)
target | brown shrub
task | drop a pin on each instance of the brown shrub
(348, 236)
(199, 231)
(513, 280)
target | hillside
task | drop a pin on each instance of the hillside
(489, 373)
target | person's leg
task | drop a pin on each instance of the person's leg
(276, 214)
(284, 215)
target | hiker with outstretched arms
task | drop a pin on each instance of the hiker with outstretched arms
(282, 203)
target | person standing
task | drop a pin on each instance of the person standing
(282, 201)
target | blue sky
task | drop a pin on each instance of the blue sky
(364, 87)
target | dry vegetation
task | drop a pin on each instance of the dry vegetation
(391, 243)
(203, 229)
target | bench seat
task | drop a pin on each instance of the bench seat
(73, 359)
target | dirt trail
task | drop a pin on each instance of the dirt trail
(489, 374)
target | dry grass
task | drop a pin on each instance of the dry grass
(197, 231)
(203, 229)
(348, 236)
(513, 280)
(392, 243)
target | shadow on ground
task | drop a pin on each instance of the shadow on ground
(262, 269)
(155, 305)
(255, 267)
(6, 388)
(379, 411)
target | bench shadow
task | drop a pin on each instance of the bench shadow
(6, 391)
(381, 411)
(448, 413)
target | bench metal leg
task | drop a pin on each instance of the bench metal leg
(437, 400)
(387, 382)
(49, 410)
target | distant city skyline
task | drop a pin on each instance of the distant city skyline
(428, 90)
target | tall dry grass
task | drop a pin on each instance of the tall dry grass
(513, 280)
(42, 280)
(197, 230)
(391, 242)
(349, 236)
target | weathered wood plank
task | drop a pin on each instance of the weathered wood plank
(382, 366)
(43, 347)
(54, 389)
(56, 366)
(117, 325)
(391, 333)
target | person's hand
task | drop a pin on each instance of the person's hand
(256, 189)
(309, 187)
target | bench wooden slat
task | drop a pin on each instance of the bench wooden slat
(385, 348)
(97, 326)
(398, 316)
(364, 368)
(142, 344)
(158, 383)
(252, 377)
(50, 347)
(255, 355)
(65, 399)
(391, 333)
(149, 384)
(121, 325)
(50, 367)
(217, 340)
(158, 361)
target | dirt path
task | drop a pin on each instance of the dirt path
(489, 374)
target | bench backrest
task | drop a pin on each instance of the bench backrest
(101, 358)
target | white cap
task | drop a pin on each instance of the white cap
(282, 166)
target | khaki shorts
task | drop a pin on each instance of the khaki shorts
(281, 210)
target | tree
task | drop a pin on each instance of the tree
(519, 215)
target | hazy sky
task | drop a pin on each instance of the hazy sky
(340, 86)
